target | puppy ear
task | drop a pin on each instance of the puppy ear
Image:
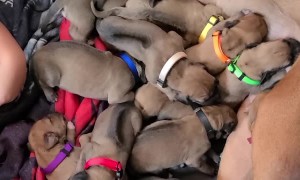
(83, 175)
(153, 3)
(50, 139)
(267, 75)
(230, 24)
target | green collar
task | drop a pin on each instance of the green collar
(234, 69)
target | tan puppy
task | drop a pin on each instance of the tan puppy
(281, 16)
(82, 70)
(276, 137)
(113, 137)
(148, 43)
(238, 32)
(152, 102)
(108, 4)
(165, 144)
(47, 138)
(265, 63)
(189, 22)
(78, 12)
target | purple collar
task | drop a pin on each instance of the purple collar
(58, 159)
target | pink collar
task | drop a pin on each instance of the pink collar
(113, 165)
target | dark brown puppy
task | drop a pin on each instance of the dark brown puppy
(47, 138)
(113, 137)
(82, 70)
(165, 144)
(148, 43)
(237, 33)
(190, 22)
(152, 102)
(266, 63)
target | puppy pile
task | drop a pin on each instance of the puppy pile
(185, 65)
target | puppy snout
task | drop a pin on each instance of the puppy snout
(295, 48)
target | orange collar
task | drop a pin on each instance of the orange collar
(218, 49)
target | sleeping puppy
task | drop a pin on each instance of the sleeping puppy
(237, 33)
(189, 23)
(112, 138)
(107, 4)
(165, 144)
(154, 103)
(260, 68)
(283, 21)
(78, 12)
(47, 139)
(148, 43)
(82, 70)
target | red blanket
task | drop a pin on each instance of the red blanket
(81, 111)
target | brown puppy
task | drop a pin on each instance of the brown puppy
(276, 132)
(47, 138)
(265, 63)
(148, 43)
(283, 14)
(113, 137)
(78, 12)
(165, 144)
(82, 70)
(189, 22)
(238, 33)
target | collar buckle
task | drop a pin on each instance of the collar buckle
(213, 20)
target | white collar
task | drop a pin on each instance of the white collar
(167, 67)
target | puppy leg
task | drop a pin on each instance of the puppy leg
(202, 166)
(50, 94)
(197, 158)
(84, 139)
(82, 159)
(116, 97)
(49, 77)
(71, 132)
(214, 156)
(76, 34)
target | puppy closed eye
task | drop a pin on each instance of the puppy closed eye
(230, 24)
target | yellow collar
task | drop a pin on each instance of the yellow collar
(213, 20)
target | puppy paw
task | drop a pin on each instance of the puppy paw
(246, 11)
(70, 125)
(51, 97)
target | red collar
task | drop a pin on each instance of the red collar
(106, 162)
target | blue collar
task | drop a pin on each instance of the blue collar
(130, 63)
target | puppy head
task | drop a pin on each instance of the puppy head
(222, 119)
(267, 60)
(196, 84)
(48, 132)
(238, 34)
(149, 100)
(104, 5)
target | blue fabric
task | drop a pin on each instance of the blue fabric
(130, 63)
